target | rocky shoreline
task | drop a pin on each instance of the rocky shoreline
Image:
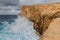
(43, 15)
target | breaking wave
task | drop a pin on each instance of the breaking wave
(20, 29)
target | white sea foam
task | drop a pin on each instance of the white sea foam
(25, 27)
(22, 29)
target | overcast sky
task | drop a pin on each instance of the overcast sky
(19, 3)
(37, 1)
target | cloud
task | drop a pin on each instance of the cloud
(8, 10)
(9, 2)
(28, 2)
(25, 2)
(19, 3)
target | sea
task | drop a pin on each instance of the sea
(16, 27)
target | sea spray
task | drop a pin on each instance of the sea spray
(21, 29)
(25, 28)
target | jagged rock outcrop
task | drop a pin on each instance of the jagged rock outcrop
(42, 15)
(53, 32)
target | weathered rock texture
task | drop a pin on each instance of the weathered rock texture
(42, 15)
(53, 32)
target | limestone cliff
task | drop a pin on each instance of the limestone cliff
(42, 15)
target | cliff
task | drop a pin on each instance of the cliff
(53, 32)
(42, 15)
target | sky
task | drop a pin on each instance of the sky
(20, 3)
(9, 2)
(25, 2)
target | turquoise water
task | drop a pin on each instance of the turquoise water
(16, 28)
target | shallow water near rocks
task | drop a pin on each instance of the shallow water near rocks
(16, 27)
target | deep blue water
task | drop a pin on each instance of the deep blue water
(5, 24)
(6, 19)
(13, 27)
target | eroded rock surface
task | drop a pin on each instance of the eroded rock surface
(53, 32)
(42, 15)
